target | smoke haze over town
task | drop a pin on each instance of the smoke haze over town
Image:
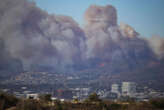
(91, 53)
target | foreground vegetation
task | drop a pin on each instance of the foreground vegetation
(10, 102)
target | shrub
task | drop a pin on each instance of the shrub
(7, 100)
(157, 103)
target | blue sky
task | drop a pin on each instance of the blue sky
(146, 16)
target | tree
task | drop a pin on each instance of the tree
(45, 97)
(30, 104)
(7, 100)
(157, 103)
(75, 100)
(58, 105)
(94, 98)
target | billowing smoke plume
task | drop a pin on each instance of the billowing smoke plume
(101, 15)
(128, 31)
(110, 42)
(36, 40)
(157, 44)
(99, 19)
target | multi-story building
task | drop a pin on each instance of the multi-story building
(128, 89)
(116, 89)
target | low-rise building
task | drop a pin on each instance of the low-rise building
(32, 96)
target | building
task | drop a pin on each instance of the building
(128, 89)
(54, 98)
(115, 88)
(81, 93)
(32, 96)
(102, 93)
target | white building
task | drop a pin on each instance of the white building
(128, 89)
(62, 100)
(32, 96)
(103, 93)
(53, 98)
(115, 88)
(85, 91)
